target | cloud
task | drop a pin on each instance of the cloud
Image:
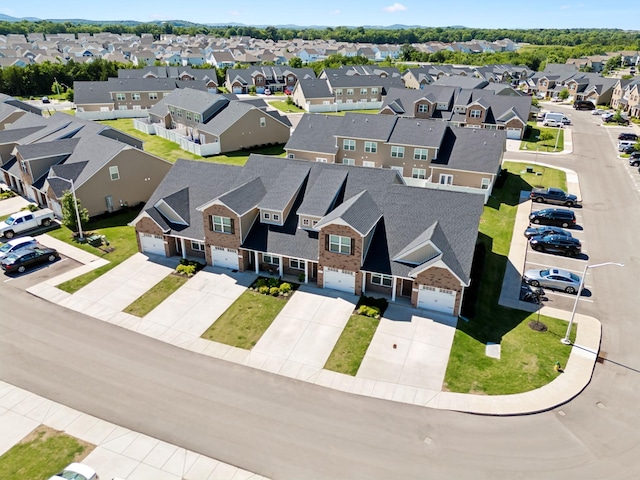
(565, 7)
(235, 13)
(334, 12)
(396, 7)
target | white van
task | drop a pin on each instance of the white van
(553, 119)
(622, 144)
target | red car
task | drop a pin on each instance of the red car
(288, 91)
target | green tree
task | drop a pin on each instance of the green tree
(564, 94)
(295, 62)
(546, 135)
(69, 216)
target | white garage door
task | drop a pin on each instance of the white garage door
(438, 299)
(337, 279)
(514, 133)
(224, 257)
(152, 244)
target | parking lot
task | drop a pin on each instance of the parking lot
(634, 175)
(40, 273)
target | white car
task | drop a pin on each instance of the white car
(15, 244)
(76, 471)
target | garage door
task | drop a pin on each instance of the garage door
(514, 133)
(224, 257)
(337, 279)
(438, 299)
(152, 244)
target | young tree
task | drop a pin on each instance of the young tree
(564, 94)
(295, 62)
(69, 216)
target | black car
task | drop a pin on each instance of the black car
(628, 136)
(553, 216)
(568, 246)
(629, 149)
(22, 259)
(634, 159)
(583, 105)
(545, 230)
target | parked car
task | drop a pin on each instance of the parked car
(76, 471)
(628, 136)
(20, 260)
(625, 144)
(553, 216)
(566, 121)
(568, 246)
(26, 220)
(545, 230)
(46, 100)
(288, 91)
(598, 112)
(16, 244)
(553, 195)
(583, 105)
(554, 278)
(634, 159)
(267, 91)
(629, 149)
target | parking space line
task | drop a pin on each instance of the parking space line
(547, 266)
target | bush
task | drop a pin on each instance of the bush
(186, 270)
(264, 290)
(273, 282)
(32, 207)
(261, 282)
(373, 312)
(285, 287)
(301, 277)
(275, 291)
(7, 194)
(380, 304)
(289, 100)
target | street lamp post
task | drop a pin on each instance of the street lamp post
(75, 202)
(566, 340)
(557, 139)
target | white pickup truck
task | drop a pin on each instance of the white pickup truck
(25, 220)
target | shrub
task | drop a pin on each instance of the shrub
(289, 100)
(261, 282)
(285, 287)
(301, 277)
(7, 194)
(264, 290)
(372, 312)
(32, 207)
(273, 282)
(380, 304)
(186, 270)
(275, 291)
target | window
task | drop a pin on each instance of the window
(369, 164)
(188, 115)
(348, 161)
(475, 113)
(326, 102)
(423, 108)
(374, 90)
(153, 96)
(275, 217)
(296, 264)
(290, 79)
(122, 107)
(321, 159)
(305, 222)
(349, 91)
(420, 154)
(349, 144)
(485, 183)
(314, 223)
(339, 244)
(196, 117)
(135, 96)
(446, 179)
(270, 259)
(382, 280)
(363, 91)
(114, 173)
(137, 107)
(397, 152)
(179, 113)
(221, 224)
(121, 97)
(349, 100)
(362, 100)
(266, 216)
(338, 91)
(419, 173)
(197, 246)
(370, 147)
(263, 122)
(291, 155)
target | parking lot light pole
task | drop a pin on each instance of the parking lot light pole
(566, 340)
(75, 202)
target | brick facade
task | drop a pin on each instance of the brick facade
(147, 225)
(440, 278)
(227, 240)
(351, 262)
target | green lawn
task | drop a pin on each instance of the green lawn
(283, 106)
(121, 238)
(533, 142)
(352, 345)
(156, 295)
(527, 356)
(171, 151)
(41, 454)
(246, 320)
(152, 143)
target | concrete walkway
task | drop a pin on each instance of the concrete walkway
(119, 452)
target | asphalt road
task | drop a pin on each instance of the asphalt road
(285, 429)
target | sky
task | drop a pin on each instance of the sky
(428, 13)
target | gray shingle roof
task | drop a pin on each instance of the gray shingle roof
(314, 88)
(370, 127)
(322, 193)
(315, 133)
(48, 149)
(472, 149)
(226, 118)
(421, 133)
(197, 101)
(359, 212)
(245, 197)
(291, 179)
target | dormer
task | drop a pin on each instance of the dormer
(320, 197)
(476, 112)
(423, 108)
(420, 250)
(278, 201)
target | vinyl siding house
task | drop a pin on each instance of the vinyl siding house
(109, 169)
(207, 75)
(426, 154)
(276, 79)
(350, 229)
(209, 124)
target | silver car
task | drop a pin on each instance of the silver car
(16, 244)
(553, 278)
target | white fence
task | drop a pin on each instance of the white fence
(456, 188)
(342, 107)
(144, 126)
(112, 114)
(204, 150)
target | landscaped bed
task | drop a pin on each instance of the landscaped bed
(527, 357)
(41, 454)
(246, 320)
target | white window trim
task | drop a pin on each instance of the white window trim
(349, 145)
(306, 222)
(121, 97)
(299, 264)
(270, 259)
(379, 279)
(135, 96)
(369, 164)
(445, 179)
(348, 161)
(418, 153)
(371, 147)
(419, 173)
(197, 246)
(263, 122)
(485, 183)
(475, 113)
(114, 173)
(397, 152)
(337, 243)
(219, 224)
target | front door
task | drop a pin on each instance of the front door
(406, 287)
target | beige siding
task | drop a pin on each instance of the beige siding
(247, 132)
(311, 156)
(246, 221)
(461, 178)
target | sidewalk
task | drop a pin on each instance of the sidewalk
(119, 452)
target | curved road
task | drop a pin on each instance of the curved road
(284, 429)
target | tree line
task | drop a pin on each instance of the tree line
(607, 37)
